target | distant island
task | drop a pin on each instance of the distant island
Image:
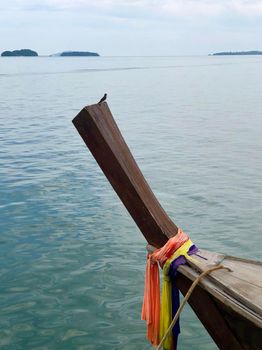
(30, 53)
(75, 53)
(23, 52)
(237, 53)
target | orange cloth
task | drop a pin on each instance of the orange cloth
(151, 304)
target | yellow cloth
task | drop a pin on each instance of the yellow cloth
(166, 298)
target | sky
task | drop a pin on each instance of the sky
(131, 27)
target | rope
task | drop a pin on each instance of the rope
(187, 296)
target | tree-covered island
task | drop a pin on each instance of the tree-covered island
(17, 53)
(76, 54)
(237, 53)
(79, 53)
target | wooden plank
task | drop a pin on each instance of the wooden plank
(209, 315)
(247, 293)
(243, 282)
(100, 132)
(247, 271)
(224, 297)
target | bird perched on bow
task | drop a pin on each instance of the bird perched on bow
(102, 99)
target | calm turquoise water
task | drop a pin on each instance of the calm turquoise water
(71, 258)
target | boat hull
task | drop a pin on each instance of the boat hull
(229, 302)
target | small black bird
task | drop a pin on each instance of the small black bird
(102, 99)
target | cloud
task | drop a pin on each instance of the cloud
(154, 7)
(128, 27)
(212, 7)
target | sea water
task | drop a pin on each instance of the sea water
(71, 258)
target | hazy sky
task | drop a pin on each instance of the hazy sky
(131, 27)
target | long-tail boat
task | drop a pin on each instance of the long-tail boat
(228, 303)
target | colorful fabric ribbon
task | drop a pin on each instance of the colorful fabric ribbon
(159, 318)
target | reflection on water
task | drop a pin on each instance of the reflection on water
(71, 259)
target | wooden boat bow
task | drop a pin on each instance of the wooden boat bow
(229, 306)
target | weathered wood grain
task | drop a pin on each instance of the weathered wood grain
(208, 313)
(243, 282)
(100, 132)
